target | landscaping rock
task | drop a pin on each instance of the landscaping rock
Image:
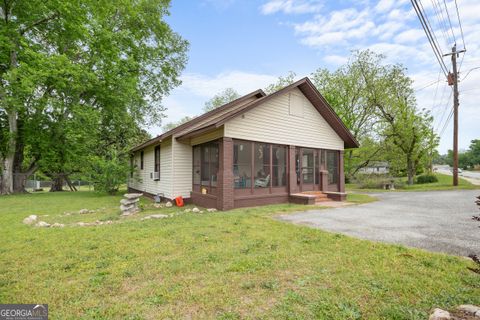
(158, 216)
(129, 205)
(470, 309)
(31, 219)
(127, 202)
(168, 204)
(155, 216)
(57, 225)
(212, 210)
(439, 314)
(84, 211)
(158, 205)
(132, 195)
(195, 210)
(187, 210)
(42, 224)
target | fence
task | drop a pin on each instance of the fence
(37, 185)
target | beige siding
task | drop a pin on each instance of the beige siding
(275, 122)
(182, 169)
(209, 136)
(146, 183)
(218, 115)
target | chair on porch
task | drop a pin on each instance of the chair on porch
(262, 182)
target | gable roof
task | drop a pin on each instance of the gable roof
(195, 122)
(215, 118)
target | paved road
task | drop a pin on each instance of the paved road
(471, 176)
(437, 220)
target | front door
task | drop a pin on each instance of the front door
(307, 165)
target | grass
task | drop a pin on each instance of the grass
(240, 264)
(359, 198)
(444, 183)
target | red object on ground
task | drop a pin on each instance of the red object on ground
(179, 201)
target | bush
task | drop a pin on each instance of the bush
(427, 178)
(372, 181)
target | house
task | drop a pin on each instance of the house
(376, 167)
(259, 149)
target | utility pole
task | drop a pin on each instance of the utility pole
(453, 81)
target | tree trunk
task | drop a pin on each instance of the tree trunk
(57, 183)
(8, 161)
(410, 170)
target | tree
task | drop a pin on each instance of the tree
(171, 125)
(407, 131)
(281, 83)
(224, 97)
(112, 61)
(345, 90)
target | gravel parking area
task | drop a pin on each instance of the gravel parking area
(437, 220)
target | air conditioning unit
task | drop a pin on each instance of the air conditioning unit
(156, 176)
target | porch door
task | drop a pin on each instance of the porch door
(308, 157)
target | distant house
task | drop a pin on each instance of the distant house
(258, 149)
(376, 167)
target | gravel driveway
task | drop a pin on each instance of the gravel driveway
(437, 220)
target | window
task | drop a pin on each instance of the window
(262, 165)
(157, 163)
(242, 164)
(205, 167)
(279, 166)
(317, 166)
(332, 166)
(141, 160)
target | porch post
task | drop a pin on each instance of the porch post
(341, 182)
(225, 175)
(292, 174)
(323, 171)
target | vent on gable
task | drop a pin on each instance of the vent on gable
(296, 105)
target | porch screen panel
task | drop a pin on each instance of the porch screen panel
(242, 164)
(308, 160)
(196, 165)
(279, 166)
(262, 165)
(332, 166)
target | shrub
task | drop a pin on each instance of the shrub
(427, 178)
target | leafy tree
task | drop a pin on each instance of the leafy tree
(407, 130)
(171, 125)
(111, 62)
(281, 83)
(224, 97)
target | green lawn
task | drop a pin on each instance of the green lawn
(224, 265)
(444, 183)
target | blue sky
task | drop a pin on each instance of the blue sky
(247, 44)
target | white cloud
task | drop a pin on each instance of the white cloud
(410, 36)
(291, 6)
(335, 60)
(207, 87)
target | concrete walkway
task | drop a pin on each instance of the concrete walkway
(437, 221)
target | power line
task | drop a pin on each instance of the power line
(429, 36)
(449, 21)
(469, 72)
(445, 110)
(460, 24)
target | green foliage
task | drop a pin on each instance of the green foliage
(468, 159)
(376, 102)
(281, 83)
(171, 125)
(79, 77)
(218, 100)
(109, 172)
(427, 178)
